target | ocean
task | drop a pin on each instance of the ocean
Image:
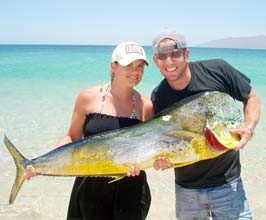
(38, 87)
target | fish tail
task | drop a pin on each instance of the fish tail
(19, 160)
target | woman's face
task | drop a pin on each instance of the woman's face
(130, 74)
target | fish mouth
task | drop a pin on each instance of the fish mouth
(213, 141)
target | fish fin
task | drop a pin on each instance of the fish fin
(116, 178)
(176, 165)
(19, 160)
(181, 133)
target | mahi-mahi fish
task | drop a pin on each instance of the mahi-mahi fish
(196, 128)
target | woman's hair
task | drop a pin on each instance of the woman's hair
(112, 75)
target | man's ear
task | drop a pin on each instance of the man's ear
(154, 59)
(187, 54)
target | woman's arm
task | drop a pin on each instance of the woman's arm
(75, 131)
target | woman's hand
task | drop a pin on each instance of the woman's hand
(30, 172)
(134, 171)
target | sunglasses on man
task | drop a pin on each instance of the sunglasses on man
(172, 54)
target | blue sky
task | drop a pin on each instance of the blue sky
(111, 21)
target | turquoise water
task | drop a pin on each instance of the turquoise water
(51, 76)
(39, 83)
(81, 63)
(38, 87)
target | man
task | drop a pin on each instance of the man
(209, 189)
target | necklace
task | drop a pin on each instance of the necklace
(134, 113)
(108, 89)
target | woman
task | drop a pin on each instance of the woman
(103, 108)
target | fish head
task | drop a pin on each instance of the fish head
(192, 113)
(219, 137)
(210, 114)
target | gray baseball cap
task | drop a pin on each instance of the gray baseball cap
(169, 34)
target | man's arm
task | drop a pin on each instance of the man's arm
(252, 112)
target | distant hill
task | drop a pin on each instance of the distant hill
(254, 42)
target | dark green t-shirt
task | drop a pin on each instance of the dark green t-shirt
(209, 75)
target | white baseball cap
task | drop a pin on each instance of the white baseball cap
(128, 51)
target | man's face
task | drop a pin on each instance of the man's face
(171, 61)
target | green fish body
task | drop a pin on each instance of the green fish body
(197, 128)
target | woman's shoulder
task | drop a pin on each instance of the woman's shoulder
(147, 107)
(145, 99)
(90, 92)
(141, 97)
(88, 99)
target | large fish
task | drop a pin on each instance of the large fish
(197, 128)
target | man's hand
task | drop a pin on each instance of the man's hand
(245, 135)
(162, 163)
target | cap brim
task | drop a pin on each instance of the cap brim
(126, 61)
